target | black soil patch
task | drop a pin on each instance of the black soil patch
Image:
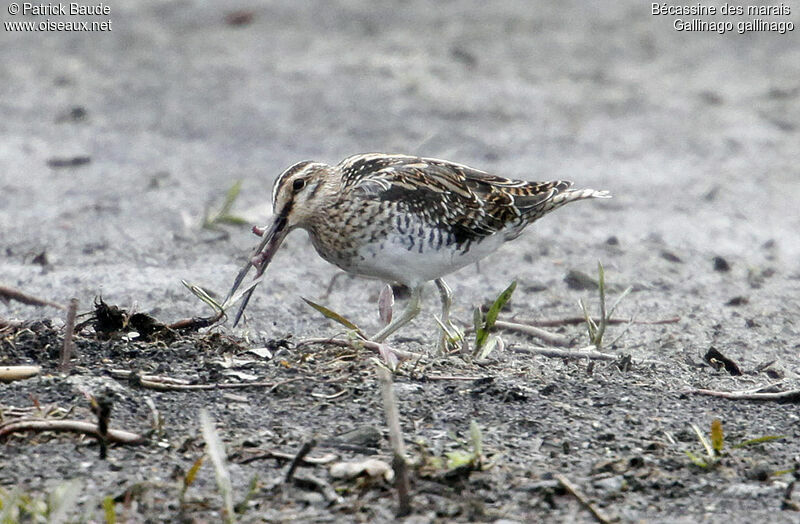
(620, 437)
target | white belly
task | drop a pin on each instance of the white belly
(395, 259)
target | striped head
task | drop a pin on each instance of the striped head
(300, 192)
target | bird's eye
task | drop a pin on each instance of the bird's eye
(298, 184)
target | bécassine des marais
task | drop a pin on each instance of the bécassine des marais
(724, 26)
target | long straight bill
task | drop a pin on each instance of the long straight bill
(260, 259)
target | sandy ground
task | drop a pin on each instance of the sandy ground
(694, 133)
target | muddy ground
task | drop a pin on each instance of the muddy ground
(115, 144)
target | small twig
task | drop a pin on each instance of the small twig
(319, 485)
(280, 455)
(101, 406)
(452, 377)
(8, 293)
(588, 353)
(575, 492)
(127, 374)
(792, 395)
(569, 321)
(358, 344)
(9, 373)
(332, 396)
(76, 426)
(550, 338)
(155, 417)
(196, 323)
(172, 384)
(399, 464)
(304, 450)
(68, 349)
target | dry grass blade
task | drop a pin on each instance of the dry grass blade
(216, 452)
(336, 317)
(203, 295)
(703, 440)
(188, 479)
(717, 436)
(447, 331)
(578, 494)
(219, 309)
(399, 464)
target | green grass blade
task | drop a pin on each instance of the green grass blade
(484, 325)
(601, 286)
(224, 216)
(499, 303)
(232, 220)
(476, 437)
(230, 198)
(480, 332)
(618, 300)
(591, 326)
(759, 440)
(697, 461)
(108, 510)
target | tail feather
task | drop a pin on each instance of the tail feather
(570, 195)
(578, 194)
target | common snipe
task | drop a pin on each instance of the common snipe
(403, 219)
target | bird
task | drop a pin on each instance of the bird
(402, 219)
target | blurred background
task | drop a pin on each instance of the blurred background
(114, 144)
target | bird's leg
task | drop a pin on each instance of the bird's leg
(412, 310)
(451, 335)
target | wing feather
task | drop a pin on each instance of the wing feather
(468, 202)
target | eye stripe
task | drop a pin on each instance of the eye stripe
(297, 168)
